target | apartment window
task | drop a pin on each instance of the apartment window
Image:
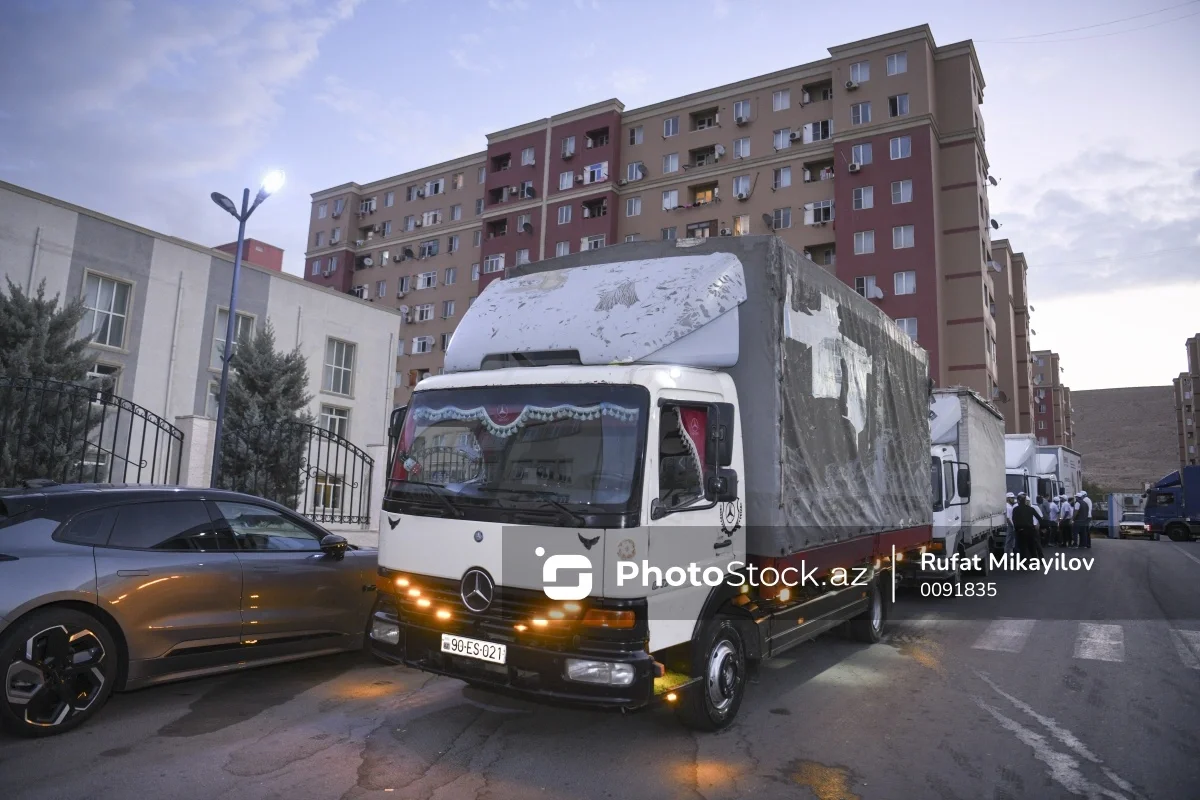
(445, 344)
(107, 305)
(410, 194)
(339, 367)
(593, 242)
(863, 197)
(897, 63)
(527, 157)
(860, 113)
(422, 344)
(481, 174)
(635, 134)
(335, 236)
(479, 206)
(522, 257)
(339, 206)
(432, 217)
(865, 285)
(670, 127)
(901, 192)
(360, 292)
(389, 199)
(452, 244)
(493, 263)
(633, 206)
(741, 225)
(635, 171)
(333, 264)
(632, 237)
(316, 266)
(336, 420)
(1042, 408)
(1041, 424)
(861, 154)
(901, 147)
(320, 240)
(909, 326)
(474, 272)
(322, 210)
(428, 249)
(668, 233)
(898, 105)
(670, 163)
(425, 312)
(741, 147)
(243, 331)
(380, 288)
(781, 100)
(781, 218)
(456, 180)
(783, 138)
(596, 173)
(864, 242)
(822, 211)
(741, 110)
(782, 177)
(821, 130)
(860, 72)
(410, 223)
(566, 180)
(427, 280)
(477, 238)
(383, 258)
(741, 186)
(902, 237)
(456, 212)
(367, 206)
(670, 199)
(905, 282)
(562, 249)
(564, 215)
(596, 138)
(435, 187)
(447, 309)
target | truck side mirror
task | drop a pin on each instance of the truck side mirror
(964, 482)
(722, 487)
(396, 423)
(721, 420)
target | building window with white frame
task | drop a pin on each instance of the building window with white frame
(566, 180)
(381, 288)
(477, 238)
(861, 154)
(634, 171)
(781, 178)
(474, 272)
(902, 237)
(338, 375)
(633, 206)
(781, 100)
(452, 244)
(522, 221)
(865, 285)
(481, 175)
(527, 157)
(562, 249)
(425, 312)
(864, 242)
(456, 212)
(335, 236)
(670, 163)
(670, 199)
(901, 147)
(428, 249)
(106, 310)
(860, 72)
(863, 197)
(447, 309)
(860, 113)
(904, 282)
(632, 237)
(319, 241)
(103, 378)
(670, 127)
(432, 217)
(478, 206)
(741, 225)
(493, 263)
(568, 146)
(336, 420)
(316, 266)
(897, 63)
(389, 199)
(564, 214)
(741, 110)
(427, 280)
(901, 192)
(322, 210)
(781, 218)
(522, 256)
(451, 276)
(422, 344)
(410, 223)
(782, 138)
(898, 105)
(668, 234)
(635, 135)
(593, 242)
(741, 186)
(595, 173)
(741, 147)
(909, 326)
(243, 332)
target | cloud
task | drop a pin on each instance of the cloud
(508, 5)
(720, 9)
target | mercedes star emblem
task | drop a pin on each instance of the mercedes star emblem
(478, 590)
(479, 536)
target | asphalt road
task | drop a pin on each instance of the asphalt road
(1075, 685)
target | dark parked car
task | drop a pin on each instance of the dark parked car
(106, 588)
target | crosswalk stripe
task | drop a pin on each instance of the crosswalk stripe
(1005, 635)
(1188, 645)
(1098, 642)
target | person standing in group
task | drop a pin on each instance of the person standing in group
(1085, 535)
(1066, 517)
(1081, 522)
(1043, 507)
(1025, 521)
(1052, 521)
(1010, 538)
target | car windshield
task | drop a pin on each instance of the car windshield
(561, 450)
(1132, 517)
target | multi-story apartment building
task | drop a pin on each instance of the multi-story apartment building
(1014, 367)
(1185, 405)
(872, 162)
(256, 252)
(1053, 414)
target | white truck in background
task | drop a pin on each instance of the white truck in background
(1022, 473)
(967, 453)
(1064, 465)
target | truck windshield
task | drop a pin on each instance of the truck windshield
(1015, 483)
(566, 452)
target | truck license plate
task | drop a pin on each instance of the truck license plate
(473, 648)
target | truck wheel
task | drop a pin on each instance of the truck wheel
(713, 702)
(868, 626)
(1155, 536)
(1178, 533)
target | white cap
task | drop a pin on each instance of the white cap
(1021, 494)
(1010, 496)
(1083, 494)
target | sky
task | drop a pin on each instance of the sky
(140, 108)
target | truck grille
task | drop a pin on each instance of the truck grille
(509, 608)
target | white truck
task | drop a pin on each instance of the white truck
(968, 473)
(1063, 465)
(649, 467)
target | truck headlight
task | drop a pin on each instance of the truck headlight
(607, 672)
(386, 632)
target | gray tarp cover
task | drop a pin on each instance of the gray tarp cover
(834, 398)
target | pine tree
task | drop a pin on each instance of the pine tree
(265, 437)
(45, 418)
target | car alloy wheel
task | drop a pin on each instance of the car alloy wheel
(58, 674)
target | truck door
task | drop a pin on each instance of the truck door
(677, 464)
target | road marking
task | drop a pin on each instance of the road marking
(1005, 635)
(1186, 553)
(1188, 645)
(1099, 642)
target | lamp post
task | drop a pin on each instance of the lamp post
(271, 184)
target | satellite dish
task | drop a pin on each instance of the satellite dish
(719, 149)
(368, 262)
(1003, 397)
(1031, 308)
(641, 169)
(404, 309)
(408, 253)
(875, 293)
(993, 181)
(769, 221)
(995, 225)
(530, 192)
(527, 228)
(995, 265)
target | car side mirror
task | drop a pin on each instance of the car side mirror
(722, 487)
(334, 546)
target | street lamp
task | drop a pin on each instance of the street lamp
(270, 184)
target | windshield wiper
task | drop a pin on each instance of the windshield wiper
(573, 517)
(432, 488)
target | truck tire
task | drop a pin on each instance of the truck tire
(1178, 533)
(1154, 536)
(869, 625)
(713, 702)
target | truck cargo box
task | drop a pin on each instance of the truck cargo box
(962, 419)
(834, 396)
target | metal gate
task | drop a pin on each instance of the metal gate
(72, 433)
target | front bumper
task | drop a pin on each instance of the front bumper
(529, 671)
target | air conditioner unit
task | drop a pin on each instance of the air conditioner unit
(855, 166)
(337, 214)
(579, 179)
(726, 232)
(622, 182)
(851, 86)
(515, 189)
(420, 192)
(796, 136)
(401, 294)
(741, 196)
(326, 272)
(359, 242)
(568, 156)
(398, 258)
(376, 228)
(808, 176)
(739, 121)
(418, 224)
(805, 98)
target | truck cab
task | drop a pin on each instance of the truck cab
(1173, 506)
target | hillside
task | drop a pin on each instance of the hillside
(1126, 436)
